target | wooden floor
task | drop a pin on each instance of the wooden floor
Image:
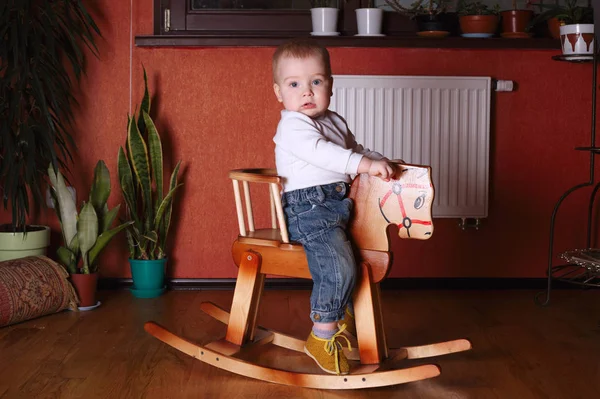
(520, 350)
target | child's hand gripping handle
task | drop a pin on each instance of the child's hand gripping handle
(383, 168)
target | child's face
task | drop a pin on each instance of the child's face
(303, 85)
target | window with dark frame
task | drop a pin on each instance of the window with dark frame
(208, 23)
(258, 18)
(251, 4)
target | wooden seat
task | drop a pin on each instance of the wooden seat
(405, 201)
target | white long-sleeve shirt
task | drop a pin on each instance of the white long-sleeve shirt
(311, 152)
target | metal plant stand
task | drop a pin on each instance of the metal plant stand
(583, 266)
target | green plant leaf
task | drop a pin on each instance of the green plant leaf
(87, 232)
(103, 240)
(67, 259)
(141, 169)
(164, 229)
(164, 206)
(131, 244)
(156, 159)
(127, 187)
(74, 246)
(140, 242)
(109, 217)
(151, 236)
(66, 205)
(166, 203)
(145, 106)
(100, 190)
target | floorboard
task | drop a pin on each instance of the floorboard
(520, 350)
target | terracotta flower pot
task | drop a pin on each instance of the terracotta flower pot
(85, 285)
(554, 28)
(515, 23)
(479, 24)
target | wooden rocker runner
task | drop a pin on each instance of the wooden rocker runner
(405, 202)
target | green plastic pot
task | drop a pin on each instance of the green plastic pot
(148, 277)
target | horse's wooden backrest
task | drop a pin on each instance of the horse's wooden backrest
(405, 201)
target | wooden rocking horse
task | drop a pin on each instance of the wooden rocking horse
(405, 202)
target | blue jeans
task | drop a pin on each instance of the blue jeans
(317, 217)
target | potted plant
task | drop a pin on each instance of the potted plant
(477, 19)
(324, 15)
(140, 169)
(570, 22)
(368, 20)
(427, 13)
(36, 106)
(85, 233)
(515, 22)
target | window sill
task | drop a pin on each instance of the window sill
(258, 40)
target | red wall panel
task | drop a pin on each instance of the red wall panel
(215, 110)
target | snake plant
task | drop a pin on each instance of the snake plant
(140, 169)
(85, 234)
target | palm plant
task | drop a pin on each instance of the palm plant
(141, 177)
(41, 48)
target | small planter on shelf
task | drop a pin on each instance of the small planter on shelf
(369, 20)
(477, 19)
(515, 22)
(576, 28)
(324, 15)
(577, 39)
(429, 15)
(554, 28)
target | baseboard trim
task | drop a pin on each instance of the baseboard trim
(387, 284)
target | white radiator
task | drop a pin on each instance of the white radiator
(439, 121)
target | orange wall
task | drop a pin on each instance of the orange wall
(216, 111)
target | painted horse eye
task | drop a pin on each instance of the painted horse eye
(420, 201)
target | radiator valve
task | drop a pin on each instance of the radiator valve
(469, 223)
(504, 85)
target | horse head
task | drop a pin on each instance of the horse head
(404, 201)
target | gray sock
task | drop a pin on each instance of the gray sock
(324, 334)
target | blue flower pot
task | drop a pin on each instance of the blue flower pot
(148, 277)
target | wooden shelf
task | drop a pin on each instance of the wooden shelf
(574, 58)
(233, 40)
(595, 150)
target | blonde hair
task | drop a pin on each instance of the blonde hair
(301, 48)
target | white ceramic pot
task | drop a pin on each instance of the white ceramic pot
(324, 21)
(577, 39)
(368, 21)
